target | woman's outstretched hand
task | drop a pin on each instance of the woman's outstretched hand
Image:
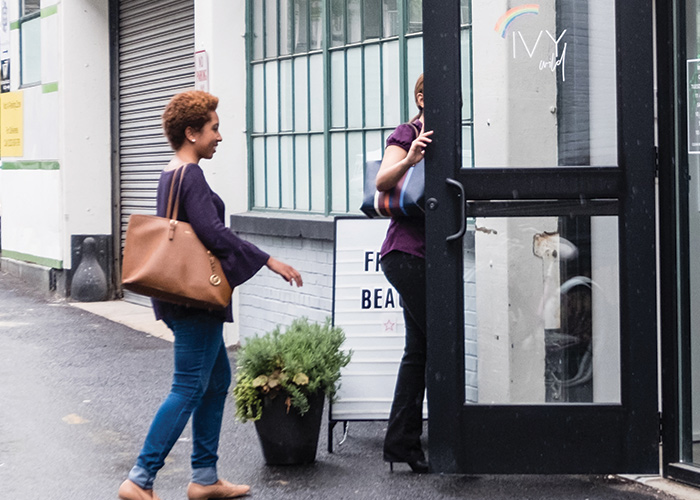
(287, 272)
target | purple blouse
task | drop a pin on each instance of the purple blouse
(205, 210)
(405, 234)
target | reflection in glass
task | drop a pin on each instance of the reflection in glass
(301, 26)
(372, 19)
(415, 16)
(541, 310)
(270, 28)
(545, 89)
(690, 375)
(315, 12)
(286, 28)
(258, 30)
(354, 21)
(337, 22)
(390, 17)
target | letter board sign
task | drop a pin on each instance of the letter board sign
(369, 311)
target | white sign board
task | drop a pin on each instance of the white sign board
(201, 71)
(368, 310)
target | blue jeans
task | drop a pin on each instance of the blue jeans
(200, 386)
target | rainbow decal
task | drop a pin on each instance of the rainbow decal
(514, 13)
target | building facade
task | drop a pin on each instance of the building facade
(537, 100)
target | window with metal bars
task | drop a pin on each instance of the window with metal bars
(328, 81)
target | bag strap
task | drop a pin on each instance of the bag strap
(172, 210)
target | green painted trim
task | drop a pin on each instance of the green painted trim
(49, 11)
(30, 165)
(47, 88)
(42, 261)
(14, 25)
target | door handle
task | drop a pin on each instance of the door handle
(463, 205)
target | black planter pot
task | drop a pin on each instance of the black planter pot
(289, 438)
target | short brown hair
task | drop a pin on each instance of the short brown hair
(187, 109)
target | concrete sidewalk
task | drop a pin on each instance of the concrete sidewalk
(79, 385)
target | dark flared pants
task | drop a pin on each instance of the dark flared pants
(406, 273)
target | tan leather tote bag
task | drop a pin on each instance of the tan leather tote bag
(163, 258)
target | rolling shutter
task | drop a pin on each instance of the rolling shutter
(156, 61)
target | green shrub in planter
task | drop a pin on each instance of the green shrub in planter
(302, 361)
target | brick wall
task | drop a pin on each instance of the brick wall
(267, 300)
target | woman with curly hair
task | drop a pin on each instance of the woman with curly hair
(202, 372)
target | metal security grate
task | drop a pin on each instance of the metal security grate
(156, 61)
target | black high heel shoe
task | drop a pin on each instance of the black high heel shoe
(419, 466)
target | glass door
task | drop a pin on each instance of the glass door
(679, 152)
(540, 239)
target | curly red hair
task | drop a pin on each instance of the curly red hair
(187, 109)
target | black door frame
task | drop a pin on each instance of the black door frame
(674, 243)
(550, 438)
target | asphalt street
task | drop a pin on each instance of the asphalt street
(77, 393)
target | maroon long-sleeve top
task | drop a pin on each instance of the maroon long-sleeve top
(205, 211)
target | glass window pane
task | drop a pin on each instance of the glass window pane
(415, 68)
(318, 173)
(559, 74)
(542, 310)
(603, 84)
(391, 85)
(355, 171)
(466, 75)
(286, 27)
(259, 180)
(301, 170)
(316, 28)
(337, 23)
(301, 25)
(374, 145)
(31, 51)
(258, 98)
(285, 90)
(287, 171)
(339, 200)
(271, 97)
(270, 28)
(301, 95)
(258, 36)
(354, 21)
(338, 89)
(467, 146)
(415, 16)
(373, 87)
(316, 86)
(30, 6)
(465, 11)
(390, 17)
(372, 17)
(272, 173)
(354, 87)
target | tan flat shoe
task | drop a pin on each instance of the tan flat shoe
(131, 491)
(220, 489)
